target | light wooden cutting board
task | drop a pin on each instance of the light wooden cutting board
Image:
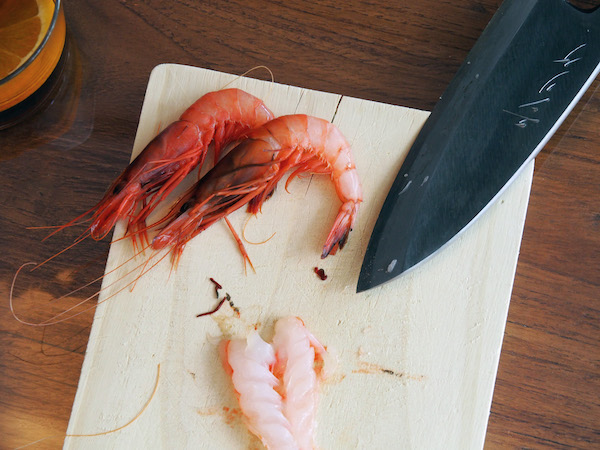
(416, 358)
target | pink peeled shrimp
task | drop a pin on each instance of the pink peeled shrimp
(296, 350)
(249, 362)
(277, 385)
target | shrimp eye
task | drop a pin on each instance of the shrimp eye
(119, 187)
(185, 207)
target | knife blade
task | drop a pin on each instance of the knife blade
(523, 76)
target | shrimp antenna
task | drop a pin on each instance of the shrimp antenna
(137, 416)
(248, 240)
(268, 70)
(50, 227)
(76, 221)
(55, 319)
(260, 67)
(68, 294)
(81, 238)
(247, 72)
(251, 70)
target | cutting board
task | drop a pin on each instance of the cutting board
(415, 360)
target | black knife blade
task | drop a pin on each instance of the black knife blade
(531, 65)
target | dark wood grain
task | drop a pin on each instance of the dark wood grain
(403, 53)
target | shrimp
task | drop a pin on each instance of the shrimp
(220, 117)
(248, 362)
(276, 384)
(296, 351)
(249, 173)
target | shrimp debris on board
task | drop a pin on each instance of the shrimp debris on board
(277, 384)
(249, 173)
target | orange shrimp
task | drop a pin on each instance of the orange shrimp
(220, 117)
(249, 173)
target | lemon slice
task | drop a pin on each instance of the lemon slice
(23, 25)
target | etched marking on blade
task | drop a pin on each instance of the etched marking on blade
(405, 187)
(547, 99)
(524, 119)
(549, 85)
(391, 266)
(566, 60)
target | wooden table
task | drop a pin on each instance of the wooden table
(547, 387)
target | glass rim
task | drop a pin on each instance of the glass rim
(37, 51)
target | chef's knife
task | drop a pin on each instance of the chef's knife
(531, 65)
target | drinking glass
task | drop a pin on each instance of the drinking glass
(32, 39)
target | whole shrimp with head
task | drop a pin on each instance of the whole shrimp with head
(219, 117)
(249, 173)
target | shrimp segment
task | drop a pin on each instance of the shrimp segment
(277, 384)
(249, 361)
(296, 350)
(220, 117)
(249, 173)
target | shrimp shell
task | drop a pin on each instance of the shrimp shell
(218, 117)
(249, 173)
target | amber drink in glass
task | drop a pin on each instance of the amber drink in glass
(32, 38)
